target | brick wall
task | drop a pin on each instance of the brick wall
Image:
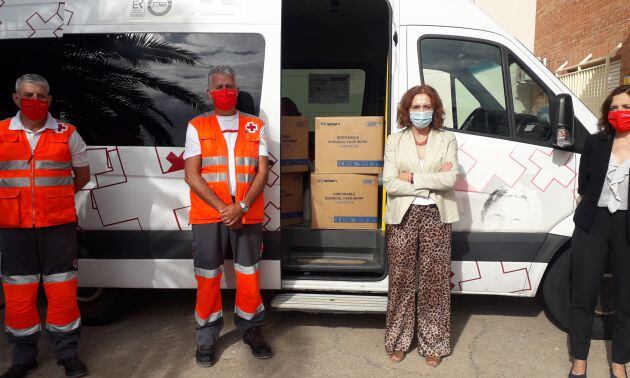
(569, 30)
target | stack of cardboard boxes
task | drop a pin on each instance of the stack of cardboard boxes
(344, 186)
(293, 163)
(348, 159)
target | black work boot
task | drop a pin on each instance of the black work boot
(73, 367)
(18, 370)
(205, 355)
(254, 338)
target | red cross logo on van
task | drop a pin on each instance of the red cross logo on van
(251, 127)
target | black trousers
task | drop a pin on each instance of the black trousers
(606, 244)
(40, 252)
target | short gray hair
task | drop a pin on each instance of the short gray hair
(33, 79)
(223, 70)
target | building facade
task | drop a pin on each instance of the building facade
(586, 43)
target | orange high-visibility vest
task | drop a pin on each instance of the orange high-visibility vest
(215, 171)
(36, 188)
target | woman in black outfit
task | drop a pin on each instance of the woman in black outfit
(602, 233)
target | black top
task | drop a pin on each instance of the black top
(592, 175)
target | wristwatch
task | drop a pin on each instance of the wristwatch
(244, 206)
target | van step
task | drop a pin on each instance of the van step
(330, 303)
(356, 252)
(335, 261)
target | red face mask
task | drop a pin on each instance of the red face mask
(34, 109)
(620, 120)
(224, 99)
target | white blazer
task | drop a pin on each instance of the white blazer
(401, 156)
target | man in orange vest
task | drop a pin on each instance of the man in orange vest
(226, 169)
(43, 162)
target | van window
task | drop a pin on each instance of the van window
(141, 89)
(468, 76)
(325, 92)
(27, 55)
(466, 102)
(531, 106)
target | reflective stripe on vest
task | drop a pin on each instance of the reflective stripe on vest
(214, 177)
(245, 177)
(15, 182)
(14, 165)
(246, 161)
(213, 161)
(54, 181)
(51, 164)
(23, 182)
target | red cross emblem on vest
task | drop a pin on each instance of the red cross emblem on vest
(61, 128)
(251, 127)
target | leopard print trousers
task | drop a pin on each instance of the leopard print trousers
(419, 255)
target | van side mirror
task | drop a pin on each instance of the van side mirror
(563, 121)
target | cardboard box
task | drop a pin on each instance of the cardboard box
(344, 201)
(293, 144)
(349, 144)
(291, 200)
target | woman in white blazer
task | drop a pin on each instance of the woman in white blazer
(419, 173)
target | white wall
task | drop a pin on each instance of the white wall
(517, 16)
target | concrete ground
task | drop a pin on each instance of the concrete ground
(491, 337)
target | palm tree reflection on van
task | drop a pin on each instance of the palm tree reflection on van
(110, 84)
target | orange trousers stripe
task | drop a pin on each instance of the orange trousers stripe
(208, 296)
(248, 292)
(62, 302)
(21, 305)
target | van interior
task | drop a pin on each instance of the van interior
(335, 37)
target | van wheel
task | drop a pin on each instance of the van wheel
(556, 294)
(99, 305)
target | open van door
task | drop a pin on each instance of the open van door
(335, 63)
(130, 74)
(515, 187)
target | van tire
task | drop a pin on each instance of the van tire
(556, 296)
(99, 306)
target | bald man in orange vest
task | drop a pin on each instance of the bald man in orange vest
(227, 169)
(43, 162)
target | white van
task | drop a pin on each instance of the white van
(131, 73)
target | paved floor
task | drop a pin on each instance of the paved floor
(492, 337)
